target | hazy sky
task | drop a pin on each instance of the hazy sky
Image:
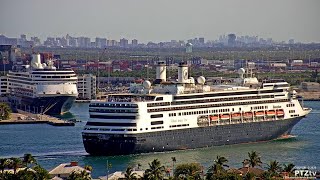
(162, 20)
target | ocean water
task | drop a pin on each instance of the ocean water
(54, 145)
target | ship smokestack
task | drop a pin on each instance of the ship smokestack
(183, 73)
(161, 75)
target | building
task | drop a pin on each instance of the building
(123, 42)
(64, 170)
(231, 39)
(3, 85)
(134, 42)
(310, 86)
(87, 87)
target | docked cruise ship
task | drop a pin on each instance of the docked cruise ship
(187, 114)
(42, 88)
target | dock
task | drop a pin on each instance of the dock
(23, 117)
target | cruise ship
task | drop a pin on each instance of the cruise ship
(188, 113)
(42, 88)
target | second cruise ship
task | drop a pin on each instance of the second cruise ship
(42, 88)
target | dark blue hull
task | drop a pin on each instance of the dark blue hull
(190, 138)
(47, 105)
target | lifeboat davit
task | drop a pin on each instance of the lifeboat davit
(224, 116)
(270, 113)
(259, 113)
(214, 117)
(280, 112)
(236, 116)
(247, 114)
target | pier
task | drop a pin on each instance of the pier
(23, 117)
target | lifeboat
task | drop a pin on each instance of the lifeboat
(236, 116)
(214, 117)
(224, 116)
(270, 113)
(247, 114)
(259, 113)
(280, 112)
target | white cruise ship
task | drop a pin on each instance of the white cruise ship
(42, 88)
(186, 114)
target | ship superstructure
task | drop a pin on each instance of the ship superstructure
(42, 88)
(187, 113)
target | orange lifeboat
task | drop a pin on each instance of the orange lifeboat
(247, 114)
(259, 113)
(280, 112)
(214, 117)
(224, 116)
(236, 116)
(270, 113)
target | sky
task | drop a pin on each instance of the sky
(162, 20)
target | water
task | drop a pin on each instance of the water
(54, 145)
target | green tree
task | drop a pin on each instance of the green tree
(3, 164)
(254, 159)
(129, 174)
(88, 168)
(274, 168)
(5, 111)
(217, 168)
(289, 168)
(15, 163)
(249, 176)
(155, 171)
(188, 171)
(28, 159)
(41, 173)
(79, 175)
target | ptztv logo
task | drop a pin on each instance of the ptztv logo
(305, 173)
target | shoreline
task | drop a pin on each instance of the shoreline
(28, 118)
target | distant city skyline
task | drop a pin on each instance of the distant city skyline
(151, 20)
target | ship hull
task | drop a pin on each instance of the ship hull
(189, 138)
(47, 105)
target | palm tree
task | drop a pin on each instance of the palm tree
(129, 174)
(254, 159)
(29, 159)
(249, 176)
(218, 167)
(274, 168)
(15, 163)
(289, 168)
(41, 173)
(155, 171)
(88, 168)
(188, 170)
(3, 164)
(5, 111)
(79, 175)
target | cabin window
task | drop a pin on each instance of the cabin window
(156, 115)
(156, 122)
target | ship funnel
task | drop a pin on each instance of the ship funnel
(36, 60)
(183, 73)
(161, 75)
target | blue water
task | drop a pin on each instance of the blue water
(54, 145)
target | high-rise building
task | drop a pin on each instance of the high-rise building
(87, 86)
(291, 41)
(123, 42)
(231, 39)
(201, 40)
(101, 42)
(134, 42)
